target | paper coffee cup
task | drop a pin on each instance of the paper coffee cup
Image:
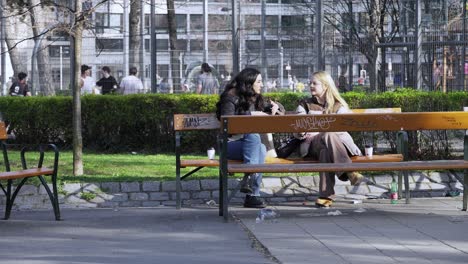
(211, 154)
(369, 151)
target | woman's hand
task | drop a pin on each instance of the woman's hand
(309, 136)
(274, 108)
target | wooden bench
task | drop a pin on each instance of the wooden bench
(200, 122)
(19, 177)
(401, 122)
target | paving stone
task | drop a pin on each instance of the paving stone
(378, 188)
(277, 199)
(183, 195)
(210, 185)
(74, 199)
(359, 189)
(420, 177)
(420, 186)
(201, 195)
(232, 183)
(151, 186)
(296, 199)
(42, 189)
(168, 186)
(108, 204)
(340, 189)
(159, 196)
(193, 185)
(168, 203)
(193, 201)
(91, 187)
(130, 186)
(110, 187)
(71, 188)
(456, 186)
(271, 182)
(267, 192)
(283, 192)
(438, 186)
(151, 203)
(307, 181)
(141, 196)
(119, 197)
(290, 182)
(383, 179)
(130, 204)
(439, 177)
(299, 191)
(28, 190)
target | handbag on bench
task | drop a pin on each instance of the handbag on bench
(287, 147)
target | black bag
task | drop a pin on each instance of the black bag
(287, 147)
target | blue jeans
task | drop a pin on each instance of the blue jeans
(251, 150)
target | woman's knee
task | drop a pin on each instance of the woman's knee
(253, 138)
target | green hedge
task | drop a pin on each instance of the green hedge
(144, 122)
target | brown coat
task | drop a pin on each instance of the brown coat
(311, 104)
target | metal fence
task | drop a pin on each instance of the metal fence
(282, 39)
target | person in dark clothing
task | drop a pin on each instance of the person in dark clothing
(20, 87)
(107, 83)
(242, 97)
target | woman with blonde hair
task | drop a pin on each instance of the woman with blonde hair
(328, 147)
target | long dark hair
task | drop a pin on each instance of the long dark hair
(242, 86)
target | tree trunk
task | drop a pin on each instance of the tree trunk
(171, 21)
(134, 34)
(12, 27)
(77, 136)
(38, 22)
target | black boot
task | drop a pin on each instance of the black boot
(254, 202)
(245, 186)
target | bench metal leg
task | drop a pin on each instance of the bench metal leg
(465, 190)
(9, 201)
(52, 196)
(407, 188)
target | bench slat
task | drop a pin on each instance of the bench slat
(364, 166)
(10, 175)
(359, 159)
(347, 122)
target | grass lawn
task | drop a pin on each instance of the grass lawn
(121, 167)
(116, 167)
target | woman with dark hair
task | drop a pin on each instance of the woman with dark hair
(242, 96)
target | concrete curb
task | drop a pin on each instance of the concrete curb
(275, 190)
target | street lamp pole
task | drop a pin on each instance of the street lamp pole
(154, 88)
(205, 30)
(235, 51)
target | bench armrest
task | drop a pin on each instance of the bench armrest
(30, 148)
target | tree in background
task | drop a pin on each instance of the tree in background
(174, 52)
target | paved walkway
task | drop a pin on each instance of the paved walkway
(130, 235)
(430, 230)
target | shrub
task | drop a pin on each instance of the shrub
(141, 122)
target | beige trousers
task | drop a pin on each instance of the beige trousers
(327, 147)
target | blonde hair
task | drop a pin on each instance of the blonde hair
(332, 95)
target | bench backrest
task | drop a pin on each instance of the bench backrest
(3, 132)
(346, 122)
(185, 122)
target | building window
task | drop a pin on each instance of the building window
(54, 51)
(109, 45)
(161, 23)
(196, 22)
(108, 23)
